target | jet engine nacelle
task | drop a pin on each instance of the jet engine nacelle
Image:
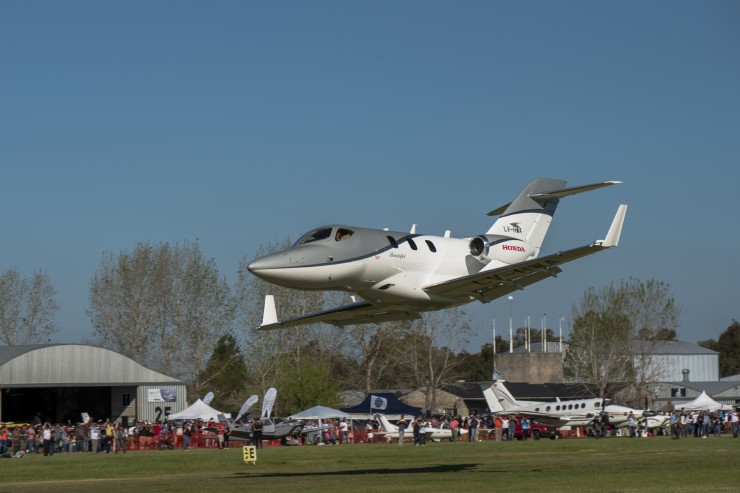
(494, 247)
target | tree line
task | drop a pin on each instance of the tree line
(168, 308)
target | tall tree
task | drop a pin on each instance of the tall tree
(27, 308)
(268, 352)
(429, 353)
(728, 347)
(615, 333)
(225, 373)
(163, 306)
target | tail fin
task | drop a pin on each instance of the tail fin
(529, 216)
(502, 396)
(386, 425)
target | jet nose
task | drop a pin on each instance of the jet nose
(264, 264)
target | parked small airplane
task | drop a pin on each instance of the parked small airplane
(275, 428)
(398, 275)
(390, 431)
(572, 412)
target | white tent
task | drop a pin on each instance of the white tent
(198, 410)
(703, 403)
(321, 412)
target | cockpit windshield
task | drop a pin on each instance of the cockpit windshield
(315, 235)
(324, 233)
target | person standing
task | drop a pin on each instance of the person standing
(525, 428)
(455, 428)
(220, 427)
(257, 432)
(473, 429)
(120, 433)
(344, 431)
(94, 438)
(512, 428)
(186, 430)
(632, 425)
(401, 429)
(48, 437)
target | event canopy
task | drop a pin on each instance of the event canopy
(198, 410)
(703, 403)
(320, 412)
(382, 402)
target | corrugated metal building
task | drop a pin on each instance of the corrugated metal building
(59, 382)
(678, 361)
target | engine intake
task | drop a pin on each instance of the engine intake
(503, 248)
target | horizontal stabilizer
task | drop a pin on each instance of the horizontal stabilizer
(558, 194)
(359, 312)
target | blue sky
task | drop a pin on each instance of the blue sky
(241, 123)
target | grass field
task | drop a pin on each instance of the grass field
(574, 465)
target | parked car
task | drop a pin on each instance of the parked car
(538, 430)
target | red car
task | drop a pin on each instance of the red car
(537, 431)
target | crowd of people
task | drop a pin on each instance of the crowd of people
(104, 436)
(702, 424)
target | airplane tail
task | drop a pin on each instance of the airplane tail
(498, 396)
(528, 217)
(386, 425)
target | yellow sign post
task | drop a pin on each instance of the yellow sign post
(250, 454)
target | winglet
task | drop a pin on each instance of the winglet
(270, 314)
(612, 237)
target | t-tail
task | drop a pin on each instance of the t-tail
(499, 398)
(386, 425)
(528, 217)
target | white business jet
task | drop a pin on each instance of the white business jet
(571, 412)
(398, 275)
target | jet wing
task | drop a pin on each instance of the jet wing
(360, 312)
(491, 284)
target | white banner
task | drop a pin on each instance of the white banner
(245, 407)
(162, 395)
(268, 402)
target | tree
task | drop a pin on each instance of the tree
(163, 306)
(428, 353)
(598, 352)
(270, 353)
(615, 333)
(305, 386)
(225, 373)
(728, 347)
(27, 308)
(377, 347)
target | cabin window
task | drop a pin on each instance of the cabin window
(412, 244)
(547, 409)
(343, 234)
(392, 241)
(431, 246)
(315, 235)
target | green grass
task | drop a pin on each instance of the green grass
(574, 465)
